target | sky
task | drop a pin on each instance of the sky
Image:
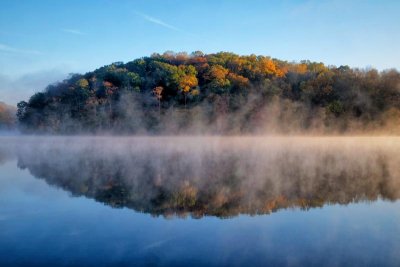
(42, 41)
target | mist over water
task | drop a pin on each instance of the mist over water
(217, 176)
(199, 201)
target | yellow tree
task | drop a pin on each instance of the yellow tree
(217, 75)
(82, 83)
(185, 79)
(268, 66)
(186, 83)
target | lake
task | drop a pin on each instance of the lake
(199, 201)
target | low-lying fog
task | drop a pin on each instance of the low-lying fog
(219, 176)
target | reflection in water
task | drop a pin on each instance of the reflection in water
(215, 176)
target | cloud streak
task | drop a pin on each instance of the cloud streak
(10, 49)
(73, 31)
(158, 22)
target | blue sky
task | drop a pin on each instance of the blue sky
(41, 41)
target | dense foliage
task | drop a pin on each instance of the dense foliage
(216, 93)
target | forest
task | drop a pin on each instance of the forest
(221, 93)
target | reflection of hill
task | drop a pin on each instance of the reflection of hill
(218, 177)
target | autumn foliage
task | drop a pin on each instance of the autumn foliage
(225, 91)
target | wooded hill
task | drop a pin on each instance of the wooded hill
(220, 93)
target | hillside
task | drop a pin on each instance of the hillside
(220, 93)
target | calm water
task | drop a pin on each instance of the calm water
(189, 201)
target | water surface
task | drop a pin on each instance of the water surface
(215, 201)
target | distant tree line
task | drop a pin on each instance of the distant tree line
(216, 93)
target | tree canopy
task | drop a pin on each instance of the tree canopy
(216, 93)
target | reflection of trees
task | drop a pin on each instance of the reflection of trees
(220, 180)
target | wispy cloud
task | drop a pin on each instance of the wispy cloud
(10, 49)
(158, 22)
(73, 31)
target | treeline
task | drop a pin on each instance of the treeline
(220, 93)
(7, 116)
